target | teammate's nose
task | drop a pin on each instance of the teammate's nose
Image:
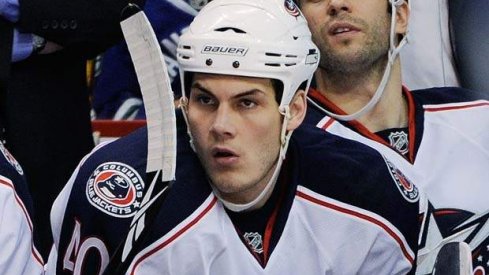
(337, 6)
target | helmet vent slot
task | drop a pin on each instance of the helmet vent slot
(272, 64)
(273, 54)
(225, 29)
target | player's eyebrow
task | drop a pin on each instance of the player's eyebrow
(198, 86)
(251, 92)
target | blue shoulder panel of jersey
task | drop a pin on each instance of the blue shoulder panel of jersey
(109, 188)
(11, 169)
(444, 95)
(313, 115)
(355, 174)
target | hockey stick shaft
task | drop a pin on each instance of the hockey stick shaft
(454, 258)
(155, 86)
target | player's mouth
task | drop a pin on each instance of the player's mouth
(224, 156)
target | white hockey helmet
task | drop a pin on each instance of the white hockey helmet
(256, 38)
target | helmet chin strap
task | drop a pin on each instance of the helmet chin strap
(392, 54)
(184, 105)
(284, 143)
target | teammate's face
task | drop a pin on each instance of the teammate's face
(351, 34)
(236, 125)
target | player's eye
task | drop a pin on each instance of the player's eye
(247, 103)
(205, 99)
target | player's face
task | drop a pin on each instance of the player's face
(235, 124)
(351, 34)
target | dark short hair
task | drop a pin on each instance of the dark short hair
(277, 86)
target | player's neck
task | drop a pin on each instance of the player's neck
(264, 188)
(355, 92)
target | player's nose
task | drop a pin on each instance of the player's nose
(223, 124)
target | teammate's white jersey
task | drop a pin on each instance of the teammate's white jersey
(18, 253)
(448, 159)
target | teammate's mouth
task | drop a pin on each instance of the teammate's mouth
(342, 28)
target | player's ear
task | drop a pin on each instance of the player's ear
(297, 108)
(402, 18)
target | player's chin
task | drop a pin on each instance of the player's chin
(228, 182)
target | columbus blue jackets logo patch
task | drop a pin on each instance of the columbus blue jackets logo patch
(408, 190)
(291, 8)
(11, 159)
(116, 189)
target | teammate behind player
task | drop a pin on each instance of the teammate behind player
(249, 201)
(437, 137)
(19, 255)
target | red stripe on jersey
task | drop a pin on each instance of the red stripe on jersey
(327, 124)
(357, 125)
(447, 108)
(176, 235)
(360, 128)
(361, 216)
(37, 255)
(445, 212)
(9, 183)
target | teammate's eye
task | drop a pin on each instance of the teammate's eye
(311, 1)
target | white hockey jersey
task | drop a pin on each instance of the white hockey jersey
(19, 255)
(336, 215)
(312, 242)
(448, 159)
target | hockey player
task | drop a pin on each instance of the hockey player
(255, 198)
(437, 137)
(19, 255)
